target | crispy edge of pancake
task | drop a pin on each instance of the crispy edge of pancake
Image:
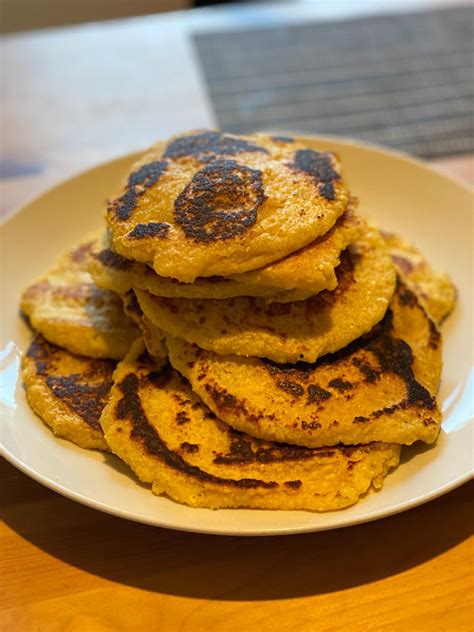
(67, 391)
(435, 290)
(237, 212)
(151, 407)
(296, 277)
(289, 332)
(380, 389)
(70, 311)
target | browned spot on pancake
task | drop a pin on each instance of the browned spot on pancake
(80, 253)
(370, 374)
(138, 182)
(360, 419)
(318, 166)
(406, 297)
(310, 425)
(242, 451)
(191, 448)
(161, 377)
(207, 145)
(148, 174)
(222, 398)
(85, 392)
(182, 418)
(294, 484)
(86, 400)
(293, 388)
(152, 229)
(111, 259)
(340, 385)
(317, 394)
(220, 202)
(435, 335)
(405, 265)
(350, 465)
(129, 407)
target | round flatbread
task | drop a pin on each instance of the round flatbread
(380, 388)
(70, 311)
(211, 203)
(67, 391)
(158, 426)
(295, 278)
(289, 332)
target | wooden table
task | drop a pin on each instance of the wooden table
(65, 567)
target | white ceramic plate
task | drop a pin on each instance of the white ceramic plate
(401, 194)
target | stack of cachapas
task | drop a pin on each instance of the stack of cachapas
(275, 349)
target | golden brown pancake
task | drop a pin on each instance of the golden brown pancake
(289, 332)
(380, 388)
(296, 277)
(70, 311)
(67, 391)
(435, 290)
(158, 426)
(211, 203)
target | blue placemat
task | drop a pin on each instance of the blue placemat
(403, 80)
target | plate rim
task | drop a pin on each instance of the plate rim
(263, 531)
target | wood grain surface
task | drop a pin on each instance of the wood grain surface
(68, 568)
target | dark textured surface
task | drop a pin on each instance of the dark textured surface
(402, 80)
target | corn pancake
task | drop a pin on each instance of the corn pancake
(67, 391)
(289, 332)
(209, 203)
(435, 290)
(154, 339)
(70, 311)
(159, 427)
(380, 388)
(296, 277)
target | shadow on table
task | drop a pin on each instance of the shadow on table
(232, 568)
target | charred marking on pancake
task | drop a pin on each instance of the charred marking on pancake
(138, 182)
(160, 378)
(293, 388)
(310, 425)
(406, 297)
(191, 448)
(319, 167)
(124, 205)
(405, 265)
(435, 335)
(360, 419)
(111, 259)
(242, 452)
(220, 202)
(222, 398)
(129, 407)
(370, 374)
(294, 484)
(317, 394)
(85, 400)
(148, 174)
(182, 418)
(152, 229)
(395, 356)
(340, 385)
(84, 393)
(207, 145)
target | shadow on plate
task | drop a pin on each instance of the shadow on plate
(232, 568)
